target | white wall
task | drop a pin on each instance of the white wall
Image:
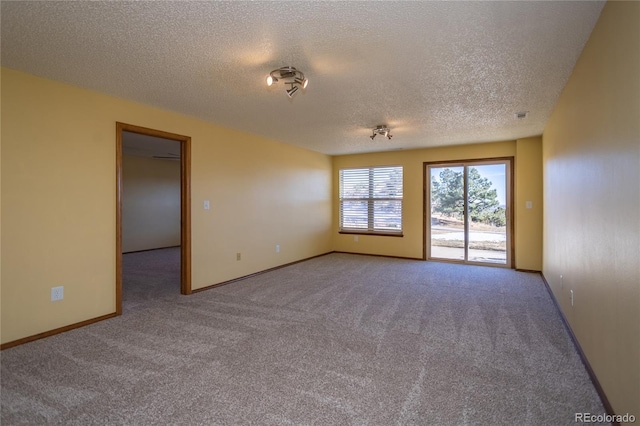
(150, 203)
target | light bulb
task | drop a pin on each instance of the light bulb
(303, 82)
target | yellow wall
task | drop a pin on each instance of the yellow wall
(58, 209)
(528, 221)
(150, 203)
(411, 244)
(0, 208)
(591, 157)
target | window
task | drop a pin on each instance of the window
(371, 200)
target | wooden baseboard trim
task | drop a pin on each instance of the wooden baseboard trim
(532, 271)
(583, 357)
(209, 287)
(142, 251)
(380, 255)
(55, 331)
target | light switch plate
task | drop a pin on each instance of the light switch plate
(207, 206)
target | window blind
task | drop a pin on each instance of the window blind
(371, 199)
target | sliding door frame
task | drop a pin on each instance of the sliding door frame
(426, 208)
(185, 205)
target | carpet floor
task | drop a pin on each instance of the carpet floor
(148, 276)
(338, 339)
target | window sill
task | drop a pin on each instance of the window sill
(378, 233)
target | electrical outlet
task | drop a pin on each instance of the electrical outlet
(57, 293)
(355, 238)
(238, 256)
(278, 248)
(571, 297)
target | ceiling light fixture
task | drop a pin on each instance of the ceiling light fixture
(290, 76)
(383, 130)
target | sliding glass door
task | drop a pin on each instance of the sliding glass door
(468, 213)
(447, 212)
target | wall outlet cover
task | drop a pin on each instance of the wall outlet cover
(57, 293)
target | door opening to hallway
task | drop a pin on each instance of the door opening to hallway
(153, 223)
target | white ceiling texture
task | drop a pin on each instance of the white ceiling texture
(437, 72)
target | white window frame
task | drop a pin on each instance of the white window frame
(376, 191)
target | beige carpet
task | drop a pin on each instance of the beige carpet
(340, 339)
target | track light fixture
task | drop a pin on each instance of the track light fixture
(383, 130)
(290, 76)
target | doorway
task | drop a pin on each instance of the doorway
(185, 203)
(468, 211)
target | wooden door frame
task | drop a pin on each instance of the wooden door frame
(185, 205)
(426, 193)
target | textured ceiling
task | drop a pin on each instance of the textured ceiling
(437, 73)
